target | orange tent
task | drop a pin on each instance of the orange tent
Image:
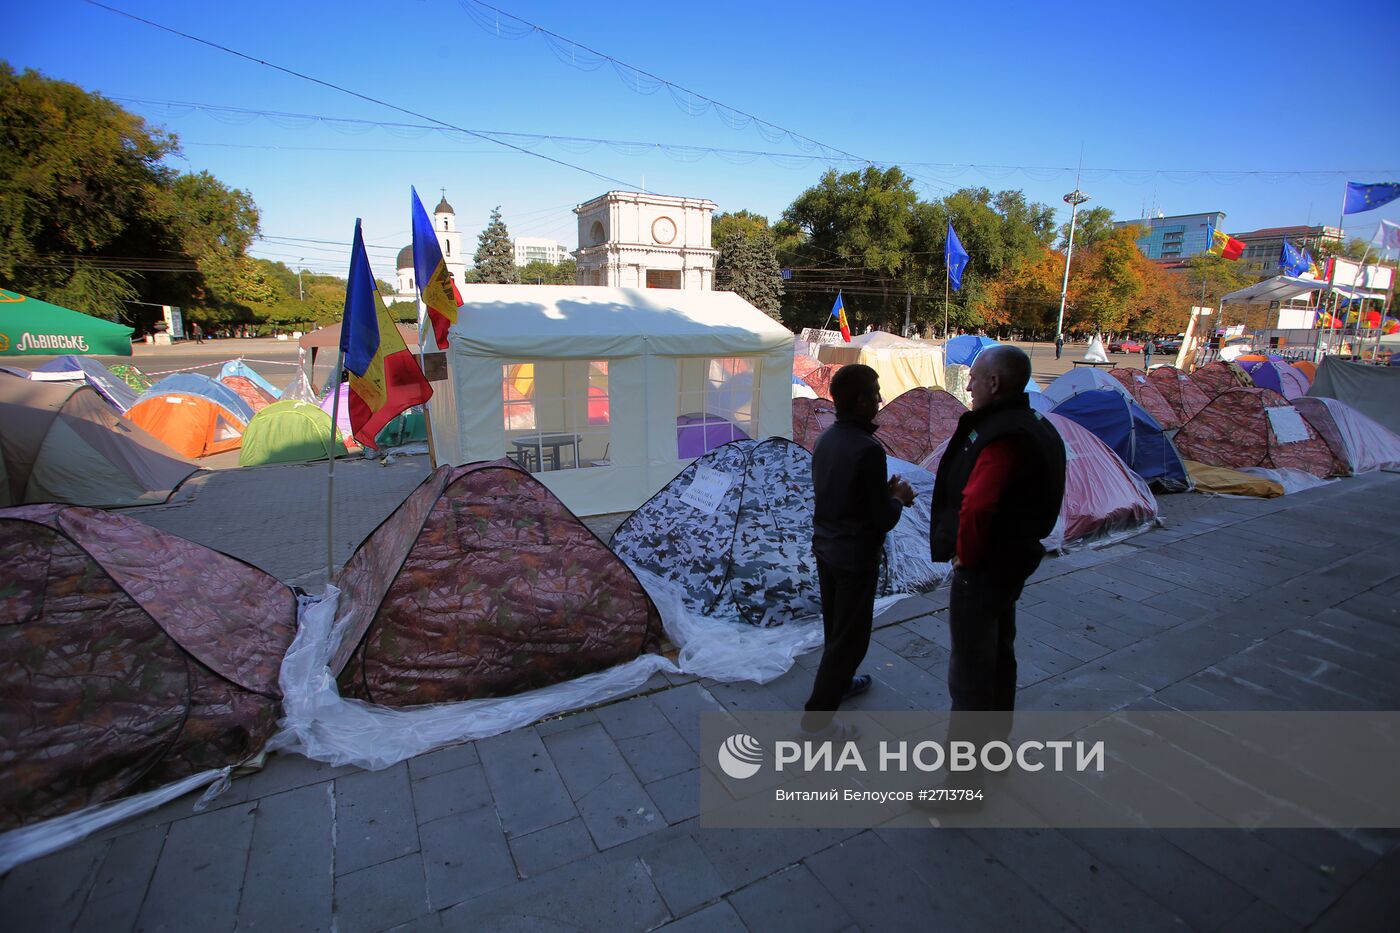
(1307, 368)
(193, 414)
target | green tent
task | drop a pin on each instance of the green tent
(288, 431)
(30, 327)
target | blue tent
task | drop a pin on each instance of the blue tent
(240, 368)
(203, 386)
(1130, 432)
(86, 369)
(963, 349)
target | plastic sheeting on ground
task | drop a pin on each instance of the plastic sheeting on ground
(132, 658)
(321, 724)
(1362, 444)
(1241, 428)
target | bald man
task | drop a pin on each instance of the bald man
(997, 494)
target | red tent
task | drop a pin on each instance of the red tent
(1146, 394)
(918, 422)
(810, 417)
(820, 379)
(1183, 395)
(1256, 428)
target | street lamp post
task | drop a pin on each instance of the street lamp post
(1073, 199)
(301, 295)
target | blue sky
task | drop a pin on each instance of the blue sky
(1177, 100)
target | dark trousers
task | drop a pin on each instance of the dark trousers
(848, 612)
(982, 666)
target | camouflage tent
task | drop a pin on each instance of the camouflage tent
(1147, 395)
(820, 379)
(129, 658)
(810, 417)
(1217, 377)
(1183, 395)
(482, 584)
(1256, 428)
(749, 558)
(915, 424)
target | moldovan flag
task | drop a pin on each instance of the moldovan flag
(435, 286)
(1225, 246)
(385, 378)
(838, 311)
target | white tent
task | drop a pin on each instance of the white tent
(902, 363)
(607, 393)
(1284, 287)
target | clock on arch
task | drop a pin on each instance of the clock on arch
(663, 231)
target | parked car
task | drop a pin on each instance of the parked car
(1125, 346)
(1169, 346)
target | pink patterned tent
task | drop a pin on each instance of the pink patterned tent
(810, 417)
(1217, 377)
(129, 658)
(1183, 395)
(820, 379)
(802, 364)
(918, 422)
(1236, 430)
(1361, 444)
(481, 584)
(1146, 394)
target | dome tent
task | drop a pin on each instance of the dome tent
(1267, 373)
(750, 558)
(1183, 395)
(820, 379)
(250, 386)
(84, 369)
(1361, 444)
(131, 658)
(288, 432)
(1102, 405)
(193, 414)
(60, 442)
(915, 424)
(483, 584)
(964, 349)
(810, 417)
(1146, 394)
(1241, 428)
(1217, 377)
(1103, 498)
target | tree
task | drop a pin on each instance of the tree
(749, 225)
(91, 218)
(494, 262)
(749, 268)
(1090, 227)
(540, 272)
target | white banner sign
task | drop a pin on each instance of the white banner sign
(1288, 425)
(707, 490)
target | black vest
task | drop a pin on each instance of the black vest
(1029, 508)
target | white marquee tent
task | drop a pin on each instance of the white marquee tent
(607, 393)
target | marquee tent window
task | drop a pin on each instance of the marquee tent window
(716, 402)
(556, 413)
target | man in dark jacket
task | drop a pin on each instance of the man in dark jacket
(855, 506)
(997, 494)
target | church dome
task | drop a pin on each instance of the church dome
(443, 207)
(405, 257)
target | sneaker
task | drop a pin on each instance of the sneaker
(859, 684)
(836, 731)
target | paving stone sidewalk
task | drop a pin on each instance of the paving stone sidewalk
(589, 821)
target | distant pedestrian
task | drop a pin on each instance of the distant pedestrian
(997, 494)
(1147, 354)
(1059, 345)
(856, 505)
(196, 332)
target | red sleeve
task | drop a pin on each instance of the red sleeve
(991, 474)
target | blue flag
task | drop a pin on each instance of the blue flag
(955, 257)
(1368, 197)
(1293, 261)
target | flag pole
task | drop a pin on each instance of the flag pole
(427, 406)
(330, 471)
(947, 275)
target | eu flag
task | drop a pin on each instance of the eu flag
(955, 257)
(1368, 197)
(1292, 261)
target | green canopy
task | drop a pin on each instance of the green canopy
(30, 327)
